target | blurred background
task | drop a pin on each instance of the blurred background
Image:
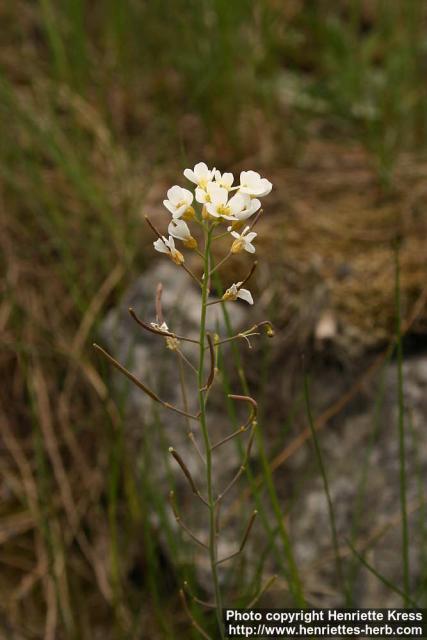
(102, 105)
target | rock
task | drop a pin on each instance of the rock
(359, 447)
(360, 451)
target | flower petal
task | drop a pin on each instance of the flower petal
(189, 174)
(160, 245)
(201, 195)
(250, 236)
(169, 206)
(245, 295)
(201, 170)
(267, 187)
(175, 194)
(179, 229)
(187, 196)
(218, 195)
(236, 203)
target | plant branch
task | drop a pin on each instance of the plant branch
(242, 467)
(250, 274)
(238, 432)
(211, 377)
(209, 605)
(185, 402)
(187, 474)
(254, 407)
(158, 331)
(252, 331)
(190, 615)
(220, 263)
(266, 586)
(159, 310)
(244, 539)
(182, 524)
(141, 385)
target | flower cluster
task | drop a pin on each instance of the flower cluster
(220, 200)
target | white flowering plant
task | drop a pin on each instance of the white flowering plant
(215, 207)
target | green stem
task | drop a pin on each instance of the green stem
(402, 452)
(205, 433)
(319, 457)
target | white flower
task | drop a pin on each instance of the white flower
(179, 201)
(243, 240)
(235, 292)
(160, 327)
(252, 184)
(203, 195)
(251, 206)
(200, 175)
(164, 245)
(219, 205)
(225, 180)
(179, 229)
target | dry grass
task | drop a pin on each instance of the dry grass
(331, 241)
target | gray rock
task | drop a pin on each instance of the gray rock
(361, 455)
(360, 451)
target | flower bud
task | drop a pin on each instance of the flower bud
(269, 331)
(172, 343)
(229, 295)
(190, 243)
(189, 214)
(237, 246)
(177, 257)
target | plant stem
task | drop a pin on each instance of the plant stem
(206, 440)
(331, 512)
(402, 448)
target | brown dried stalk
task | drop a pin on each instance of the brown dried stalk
(190, 615)
(159, 310)
(238, 432)
(250, 274)
(250, 422)
(211, 377)
(158, 331)
(249, 400)
(187, 474)
(261, 592)
(244, 539)
(141, 385)
(242, 467)
(209, 605)
(182, 524)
